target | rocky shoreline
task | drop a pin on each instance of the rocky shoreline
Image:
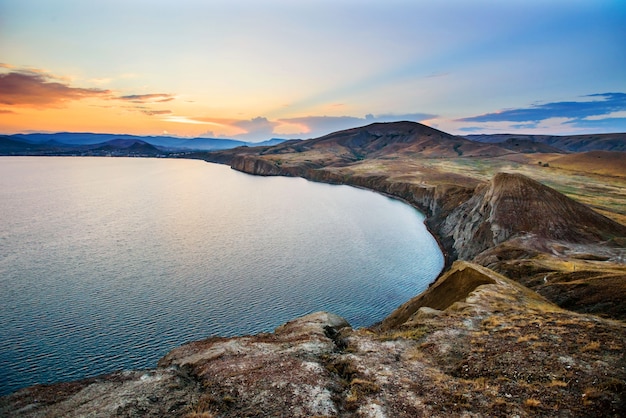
(511, 224)
(494, 348)
(436, 202)
(527, 319)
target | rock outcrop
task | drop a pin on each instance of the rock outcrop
(477, 344)
(452, 286)
(497, 224)
(513, 206)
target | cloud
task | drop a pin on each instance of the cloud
(155, 112)
(207, 134)
(609, 124)
(148, 98)
(256, 128)
(602, 112)
(185, 119)
(35, 88)
(261, 128)
(613, 115)
(550, 126)
(600, 104)
(5, 111)
(471, 129)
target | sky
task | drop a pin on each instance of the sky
(258, 69)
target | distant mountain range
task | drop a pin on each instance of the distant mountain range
(351, 144)
(69, 143)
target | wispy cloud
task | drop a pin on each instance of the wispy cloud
(186, 119)
(36, 88)
(600, 112)
(613, 115)
(155, 112)
(600, 104)
(148, 98)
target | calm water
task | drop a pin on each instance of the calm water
(109, 263)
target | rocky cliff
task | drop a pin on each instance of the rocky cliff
(511, 224)
(476, 344)
(491, 336)
(436, 201)
(515, 206)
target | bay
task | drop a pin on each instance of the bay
(109, 263)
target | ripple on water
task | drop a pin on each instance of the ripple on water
(107, 264)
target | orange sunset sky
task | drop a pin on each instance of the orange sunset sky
(254, 70)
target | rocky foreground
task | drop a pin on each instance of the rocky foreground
(494, 348)
(527, 319)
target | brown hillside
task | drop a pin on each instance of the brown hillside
(568, 143)
(507, 222)
(384, 139)
(514, 205)
(610, 163)
(453, 286)
(528, 146)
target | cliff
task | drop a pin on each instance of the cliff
(505, 330)
(476, 344)
(511, 223)
(515, 206)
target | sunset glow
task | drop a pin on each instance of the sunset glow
(255, 70)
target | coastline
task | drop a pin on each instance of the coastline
(476, 342)
(397, 289)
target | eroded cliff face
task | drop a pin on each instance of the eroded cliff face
(511, 224)
(257, 166)
(435, 201)
(469, 221)
(476, 343)
(512, 206)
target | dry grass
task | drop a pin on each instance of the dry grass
(557, 384)
(601, 190)
(532, 403)
(592, 346)
(527, 338)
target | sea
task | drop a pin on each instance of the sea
(109, 263)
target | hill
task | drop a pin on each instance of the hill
(568, 143)
(130, 146)
(490, 205)
(383, 139)
(609, 163)
(528, 146)
(164, 143)
(513, 206)
(10, 146)
(116, 147)
(527, 318)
